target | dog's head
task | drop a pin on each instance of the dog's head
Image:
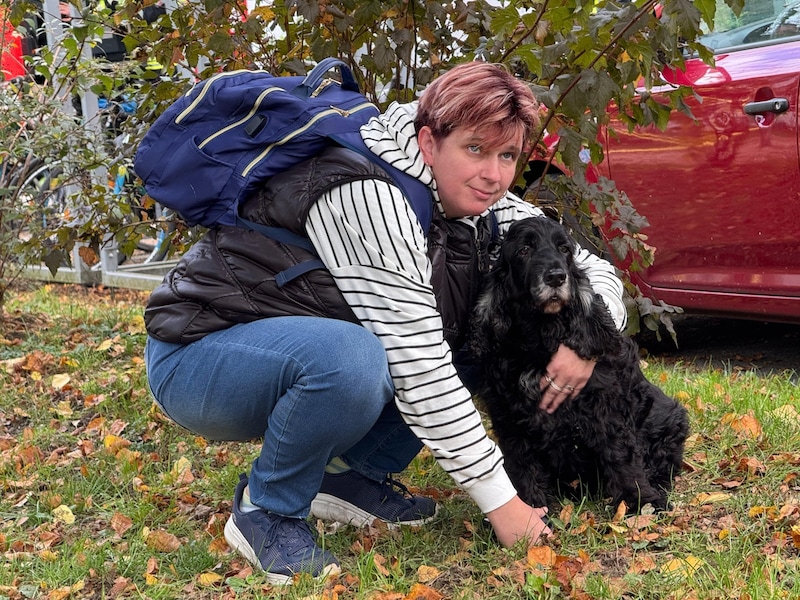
(537, 265)
(534, 274)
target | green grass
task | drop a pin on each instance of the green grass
(102, 497)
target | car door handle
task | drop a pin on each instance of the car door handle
(775, 105)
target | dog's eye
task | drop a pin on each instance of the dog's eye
(565, 249)
(524, 251)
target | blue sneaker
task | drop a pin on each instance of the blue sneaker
(280, 546)
(352, 499)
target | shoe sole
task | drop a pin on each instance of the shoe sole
(237, 541)
(331, 508)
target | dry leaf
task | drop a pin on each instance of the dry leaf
(208, 578)
(88, 256)
(709, 498)
(60, 380)
(162, 541)
(682, 567)
(745, 425)
(63, 514)
(114, 443)
(419, 591)
(541, 556)
(426, 574)
(120, 523)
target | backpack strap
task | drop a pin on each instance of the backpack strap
(284, 236)
(417, 193)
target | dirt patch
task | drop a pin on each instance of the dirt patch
(768, 348)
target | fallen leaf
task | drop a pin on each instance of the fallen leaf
(162, 541)
(683, 567)
(208, 578)
(541, 556)
(426, 574)
(420, 591)
(63, 514)
(709, 498)
(120, 523)
(745, 425)
(60, 380)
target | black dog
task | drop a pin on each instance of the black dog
(621, 435)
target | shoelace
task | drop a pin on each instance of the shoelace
(294, 535)
(393, 487)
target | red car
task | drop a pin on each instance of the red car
(722, 194)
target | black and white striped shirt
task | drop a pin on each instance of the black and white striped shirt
(370, 240)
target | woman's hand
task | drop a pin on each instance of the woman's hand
(516, 520)
(565, 377)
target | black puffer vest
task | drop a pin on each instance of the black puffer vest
(228, 277)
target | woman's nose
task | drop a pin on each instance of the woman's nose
(491, 169)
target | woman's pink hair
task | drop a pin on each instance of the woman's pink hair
(479, 95)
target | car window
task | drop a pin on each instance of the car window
(761, 22)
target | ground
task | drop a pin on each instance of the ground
(731, 344)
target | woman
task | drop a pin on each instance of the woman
(346, 372)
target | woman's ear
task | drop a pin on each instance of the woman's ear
(426, 144)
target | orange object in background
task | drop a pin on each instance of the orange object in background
(12, 63)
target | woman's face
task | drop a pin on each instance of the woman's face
(471, 175)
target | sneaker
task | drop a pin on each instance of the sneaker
(280, 546)
(350, 498)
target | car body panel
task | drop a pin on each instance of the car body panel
(722, 192)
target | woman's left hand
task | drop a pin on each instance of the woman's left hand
(565, 377)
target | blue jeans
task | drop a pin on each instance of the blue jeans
(311, 388)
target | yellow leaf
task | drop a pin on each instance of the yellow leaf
(709, 498)
(114, 443)
(787, 412)
(63, 513)
(48, 555)
(59, 593)
(682, 567)
(136, 325)
(36, 376)
(60, 380)
(150, 579)
(105, 345)
(426, 574)
(209, 578)
(795, 532)
(682, 396)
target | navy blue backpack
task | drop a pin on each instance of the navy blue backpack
(212, 147)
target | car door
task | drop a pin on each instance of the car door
(722, 191)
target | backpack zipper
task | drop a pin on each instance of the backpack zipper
(244, 119)
(321, 115)
(206, 86)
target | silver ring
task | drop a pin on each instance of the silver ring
(555, 387)
(569, 387)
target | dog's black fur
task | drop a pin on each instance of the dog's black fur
(621, 435)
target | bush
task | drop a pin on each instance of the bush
(578, 56)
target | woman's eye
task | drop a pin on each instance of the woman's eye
(509, 156)
(474, 148)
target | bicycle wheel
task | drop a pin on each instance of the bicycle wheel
(42, 200)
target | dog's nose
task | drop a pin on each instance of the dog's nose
(555, 277)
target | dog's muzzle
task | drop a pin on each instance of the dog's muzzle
(554, 291)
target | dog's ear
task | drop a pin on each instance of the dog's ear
(490, 320)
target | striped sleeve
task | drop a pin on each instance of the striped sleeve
(370, 240)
